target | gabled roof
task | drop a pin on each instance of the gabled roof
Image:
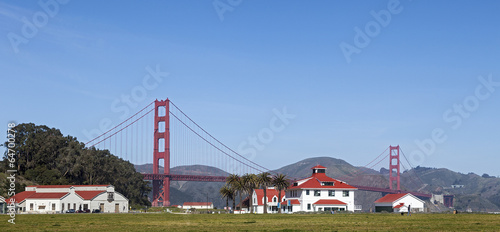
(292, 202)
(391, 197)
(329, 202)
(88, 195)
(47, 195)
(197, 203)
(20, 197)
(270, 194)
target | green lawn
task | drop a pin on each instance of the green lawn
(271, 222)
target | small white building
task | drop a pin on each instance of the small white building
(399, 202)
(319, 193)
(61, 198)
(271, 198)
(198, 205)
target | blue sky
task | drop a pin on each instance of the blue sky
(229, 70)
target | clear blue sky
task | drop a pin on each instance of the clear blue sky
(229, 69)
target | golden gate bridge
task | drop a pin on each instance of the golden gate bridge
(176, 140)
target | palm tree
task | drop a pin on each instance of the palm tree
(249, 184)
(281, 183)
(264, 180)
(233, 181)
(227, 193)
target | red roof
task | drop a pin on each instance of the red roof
(318, 166)
(88, 195)
(292, 202)
(66, 186)
(329, 202)
(270, 194)
(47, 195)
(20, 197)
(314, 182)
(391, 197)
(198, 203)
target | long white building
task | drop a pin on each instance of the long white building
(61, 198)
(319, 193)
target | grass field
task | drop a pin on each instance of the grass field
(270, 222)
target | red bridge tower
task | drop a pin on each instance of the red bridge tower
(161, 188)
(394, 167)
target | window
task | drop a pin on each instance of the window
(307, 192)
(327, 183)
(308, 206)
(255, 201)
(317, 193)
(111, 197)
(31, 206)
(345, 193)
(295, 184)
(53, 206)
(41, 207)
(85, 206)
(74, 206)
(331, 193)
(69, 206)
(275, 199)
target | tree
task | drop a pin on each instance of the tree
(234, 183)
(249, 184)
(264, 180)
(227, 193)
(281, 183)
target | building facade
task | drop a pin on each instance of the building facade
(272, 198)
(399, 202)
(319, 193)
(61, 198)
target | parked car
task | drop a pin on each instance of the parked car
(70, 211)
(87, 211)
(96, 211)
(79, 211)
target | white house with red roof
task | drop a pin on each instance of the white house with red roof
(271, 198)
(61, 198)
(399, 202)
(319, 193)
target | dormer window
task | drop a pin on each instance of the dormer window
(329, 183)
(295, 184)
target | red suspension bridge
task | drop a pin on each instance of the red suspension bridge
(179, 141)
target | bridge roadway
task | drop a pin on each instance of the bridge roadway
(178, 177)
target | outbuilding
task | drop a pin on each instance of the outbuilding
(399, 202)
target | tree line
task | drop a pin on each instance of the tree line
(47, 157)
(246, 184)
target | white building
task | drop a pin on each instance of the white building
(319, 193)
(271, 198)
(198, 205)
(60, 198)
(399, 202)
(3, 205)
